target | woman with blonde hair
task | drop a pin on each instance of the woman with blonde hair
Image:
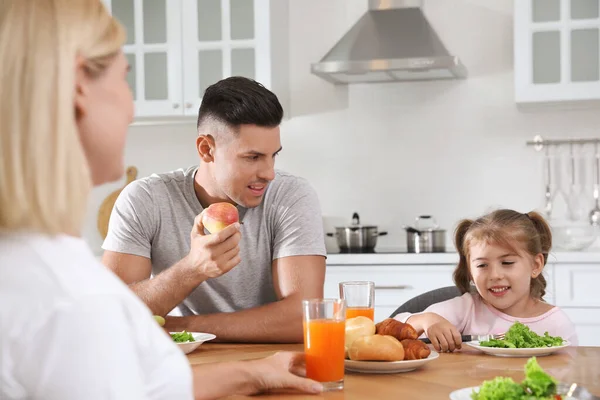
(70, 329)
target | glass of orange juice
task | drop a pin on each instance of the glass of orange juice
(324, 334)
(360, 298)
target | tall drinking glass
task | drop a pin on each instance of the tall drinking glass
(324, 333)
(360, 298)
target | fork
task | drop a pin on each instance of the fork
(470, 338)
(574, 391)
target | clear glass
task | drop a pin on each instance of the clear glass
(155, 76)
(584, 9)
(585, 55)
(360, 298)
(242, 19)
(242, 63)
(324, 322)
(546, 57)
(123, 10)
(545, 10)
(210, 65)
(209, 20)
(155, 21)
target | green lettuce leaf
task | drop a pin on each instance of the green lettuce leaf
(499, 389)
(537, 382)
(497, 343)
(181, 337)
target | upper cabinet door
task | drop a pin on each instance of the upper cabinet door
(153, 49)
(223, 38)
(557, 50)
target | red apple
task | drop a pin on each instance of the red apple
(218, 216)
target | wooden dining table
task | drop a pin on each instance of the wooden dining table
(435, 380)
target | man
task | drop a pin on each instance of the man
(246, 282)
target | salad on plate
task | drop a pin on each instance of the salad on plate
(519, 336)
(537, 385)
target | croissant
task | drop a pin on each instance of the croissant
(397, 329)
(415, 349)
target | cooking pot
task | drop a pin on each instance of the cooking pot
(425, 237)
(356, 237)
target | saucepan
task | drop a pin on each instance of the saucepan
(356, 237)
(425, 236)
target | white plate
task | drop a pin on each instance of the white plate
(388, 367)
(465, 394)
(504, 352)
(199, 338)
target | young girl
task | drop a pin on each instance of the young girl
(502, 256)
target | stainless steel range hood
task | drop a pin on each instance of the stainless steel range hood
(393, 41)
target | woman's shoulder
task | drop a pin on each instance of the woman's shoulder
(47, 272)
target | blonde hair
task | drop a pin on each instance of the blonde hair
(506, 228)
(44, 175)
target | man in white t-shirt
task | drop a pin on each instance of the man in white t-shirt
(246, 283)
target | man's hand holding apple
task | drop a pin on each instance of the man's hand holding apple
(213, 255)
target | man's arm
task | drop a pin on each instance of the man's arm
(162, 293)
(210, 256)
(295, 278)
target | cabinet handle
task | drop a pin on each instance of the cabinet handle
(397, 287)
(175, 105)
(188, 105)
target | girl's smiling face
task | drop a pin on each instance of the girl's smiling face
(503, 276)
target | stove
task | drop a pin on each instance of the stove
(378, 250)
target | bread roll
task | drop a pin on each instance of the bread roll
(415, 349)
(397, 329)
(376, 348)
(358, 327)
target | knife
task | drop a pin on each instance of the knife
(468, 338)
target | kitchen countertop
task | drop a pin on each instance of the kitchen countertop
(386, 257)
(436, 380)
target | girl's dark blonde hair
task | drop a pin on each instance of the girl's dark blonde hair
(506, 228)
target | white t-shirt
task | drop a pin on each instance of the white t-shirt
(70, 329)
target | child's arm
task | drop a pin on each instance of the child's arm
(454, 311)
(444, 336)
(423, 321)
(442, 322)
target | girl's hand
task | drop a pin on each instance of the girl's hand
(443, 335)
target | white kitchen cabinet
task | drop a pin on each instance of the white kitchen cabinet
(177, 48)
(587, 324)
(578, 285)
(572, 280)
(556, 51)
(223, 38)
(153, 49)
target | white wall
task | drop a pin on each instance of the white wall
(452, 149)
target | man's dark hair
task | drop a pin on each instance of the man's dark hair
(238, 100)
